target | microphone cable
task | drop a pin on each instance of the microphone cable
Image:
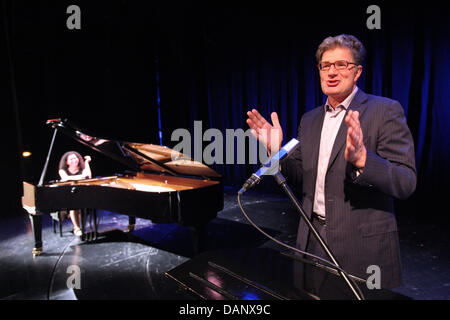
(329, 263)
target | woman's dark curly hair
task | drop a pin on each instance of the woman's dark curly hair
(63, 161)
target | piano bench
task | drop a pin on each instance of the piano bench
(58, 216)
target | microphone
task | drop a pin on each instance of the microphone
(270, 167)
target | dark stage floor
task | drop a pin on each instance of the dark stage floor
(122, 265)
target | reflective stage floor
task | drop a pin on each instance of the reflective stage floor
(120, 265)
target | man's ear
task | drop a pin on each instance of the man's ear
(359, 71)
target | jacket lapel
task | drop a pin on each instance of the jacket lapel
(357, 104)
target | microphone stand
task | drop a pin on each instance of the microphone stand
(279, 178)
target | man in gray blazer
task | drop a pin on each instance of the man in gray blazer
(356, 154)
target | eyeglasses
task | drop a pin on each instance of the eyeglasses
(339, 65)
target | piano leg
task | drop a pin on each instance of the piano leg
(198, 237)
(94, 215)
(36, 225)
(131, 223)
(89, 217)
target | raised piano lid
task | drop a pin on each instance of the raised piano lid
(138, 156)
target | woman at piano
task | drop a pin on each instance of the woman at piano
(72, 166)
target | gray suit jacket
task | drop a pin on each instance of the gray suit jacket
(361, 225)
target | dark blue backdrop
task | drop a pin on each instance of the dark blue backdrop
(213, 63)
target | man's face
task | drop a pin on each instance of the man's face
(338, 84)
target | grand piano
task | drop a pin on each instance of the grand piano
(162, 185)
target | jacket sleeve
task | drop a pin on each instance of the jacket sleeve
(391, 167)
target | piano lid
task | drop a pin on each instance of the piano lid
(137, 156)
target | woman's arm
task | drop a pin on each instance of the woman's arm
(87, 174)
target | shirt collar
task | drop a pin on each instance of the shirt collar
(346, 103)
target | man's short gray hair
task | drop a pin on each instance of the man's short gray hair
(343, 41)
